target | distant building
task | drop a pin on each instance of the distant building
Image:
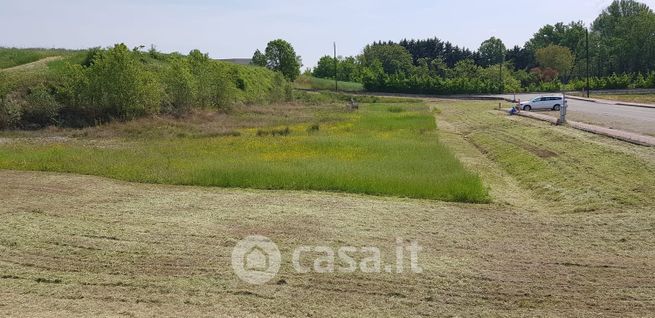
(237, 61)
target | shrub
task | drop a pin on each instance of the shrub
(274, 132)
(395, 109)
(91, 55)
(4, 85)
(71, 90)
(280, 90)
(41, 108)
(179, 85)
(214, 80)
(120, 86)
(10, 112)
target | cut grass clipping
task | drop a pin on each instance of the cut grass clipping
(374, 151)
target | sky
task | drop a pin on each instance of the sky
(235, 29)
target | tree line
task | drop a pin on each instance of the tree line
(617, 51)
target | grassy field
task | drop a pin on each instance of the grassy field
(309, 82)
(569, 231)
(383, 149)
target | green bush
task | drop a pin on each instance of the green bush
(274, 132)
(120, 85)
(41, 108)
(91, 55)
(10, 112)
(179, 85)
(395, 109)
(71, 89)
(214, 82)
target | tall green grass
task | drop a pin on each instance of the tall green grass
(373, 151)
(310, 82)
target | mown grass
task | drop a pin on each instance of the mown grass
(560, 166)
(310, 82)
(373, 151)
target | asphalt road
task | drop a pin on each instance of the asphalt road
(634, 119)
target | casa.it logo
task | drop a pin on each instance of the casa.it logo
(256, 260)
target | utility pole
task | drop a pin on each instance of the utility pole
(336, 69)
(588, 86)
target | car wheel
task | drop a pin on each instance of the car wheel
(557, 108)
(527, 107)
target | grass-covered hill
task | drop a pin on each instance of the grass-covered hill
(41, 87)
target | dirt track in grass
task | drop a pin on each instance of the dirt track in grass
(34, 65)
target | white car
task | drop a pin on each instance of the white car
(544, 102)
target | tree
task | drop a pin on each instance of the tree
(281, 57)
(522, 58)
(324, 68)
(626, 30)
(555, 57)
(119, 85)
(348, 69)
(394, 58)
(259, 59)
(567, 35)
(492, 51)
(464, 69)
(434, 48)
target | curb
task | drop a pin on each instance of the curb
(636, 105)
(634, 138)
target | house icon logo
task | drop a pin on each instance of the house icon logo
(256, 259)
